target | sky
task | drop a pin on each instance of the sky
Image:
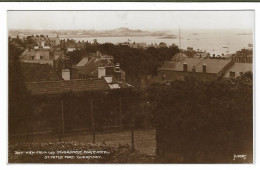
(144, 20)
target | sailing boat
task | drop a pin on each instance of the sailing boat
(227, 47)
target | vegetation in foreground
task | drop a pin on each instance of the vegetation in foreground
(112, 154)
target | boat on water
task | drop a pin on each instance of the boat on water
(168, 37)
(244, 34)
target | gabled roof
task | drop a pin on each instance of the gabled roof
(83, 62)
(239, 67)
(34, 72)
(90, 67)
(212, 65)
(38, 52)
(178, 65)
(59, 87)
(179, 57)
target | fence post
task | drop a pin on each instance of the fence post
(133, 144)
(120, 110)
(92, 120)
(62, 120)
(133, 125)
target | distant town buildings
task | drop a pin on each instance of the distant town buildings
(97, 65)
(190, 52)
(204, 68)
(207, 69)
(243, 56)
(43, 56)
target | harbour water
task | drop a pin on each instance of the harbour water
(213, 41)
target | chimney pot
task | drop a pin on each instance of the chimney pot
(66, 74)
(117, 67)
(204, 68)
(101, 71)
(193, 69)
(185, 67)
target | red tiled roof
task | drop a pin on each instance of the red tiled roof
(58, 87)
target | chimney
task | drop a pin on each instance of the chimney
(117, 67)
(204, 68)
(193, 69)
(101, 71)
(66, 74)
(185, 66)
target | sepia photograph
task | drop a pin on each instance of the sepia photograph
(131, 86)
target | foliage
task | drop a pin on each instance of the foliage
(136, 62)
(19, 105)
(209, 119)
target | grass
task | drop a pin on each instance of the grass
(144, 139)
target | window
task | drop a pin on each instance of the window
(32, 57)
(41, 57)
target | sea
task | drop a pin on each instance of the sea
(216, 42)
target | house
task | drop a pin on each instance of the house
(201, 54)
(238, 69)
(243, 56)
(98, 65)
(182, 66)
(42, 56)
(54, 41)
(190, 52)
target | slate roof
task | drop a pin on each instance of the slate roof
(83, 62)
(34, 72)
(59, 87)
(179, 57)
(239, 67)
(212, 65)
(90, 67)
(27, 54)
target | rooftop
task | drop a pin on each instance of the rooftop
(213, 65)
(59, 87)
(179, 57)
(83, 62)
(239, 67)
